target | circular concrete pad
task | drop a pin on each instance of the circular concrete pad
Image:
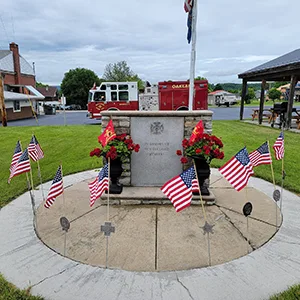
(155, 237)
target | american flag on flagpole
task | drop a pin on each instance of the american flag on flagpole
(34, 149)
(261, 156)
(22, 165)
(179, 189)
(279, 147)
(56, 189)
(99, 185)
(188, 4)
(17, 154)
(238, 170)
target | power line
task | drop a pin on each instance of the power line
(4, 29)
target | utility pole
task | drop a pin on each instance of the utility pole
(2, 103)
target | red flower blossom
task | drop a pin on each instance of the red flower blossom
(198, 151)
(185, 143)
(137, 148)
(178, 152)
(184, 160)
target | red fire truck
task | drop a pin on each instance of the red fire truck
(168, 95)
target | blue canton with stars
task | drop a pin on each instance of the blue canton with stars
(187, 176)
(24, 156)
(263, 149)
(243, 157)
(18, 148)
(103, 173)
(58, 176)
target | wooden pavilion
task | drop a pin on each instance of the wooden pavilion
(283, 68)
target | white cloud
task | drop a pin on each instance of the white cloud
(233, 36)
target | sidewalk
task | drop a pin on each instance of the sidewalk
(26, 261)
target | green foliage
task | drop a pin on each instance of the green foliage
(274, 94)
(278, 84)
(76, 85)
(120, 71)
(39, 84)
(218, 87)
(10, 292)
(250, 95)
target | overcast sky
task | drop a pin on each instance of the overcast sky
(232, 36)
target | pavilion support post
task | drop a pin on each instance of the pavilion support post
(294, 80)
(262, 101)
(244, 93)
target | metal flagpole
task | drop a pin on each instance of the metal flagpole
(29, 188)
(283, 174)
(193, 54)
(41, 180)
(64, 209)
(273, 177)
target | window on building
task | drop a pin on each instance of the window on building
(123, 87)
(123, 96)
(17, 106)
(114, 96)
(99, 96)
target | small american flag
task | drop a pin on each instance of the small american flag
(22, 165)
(279, 147)
(99, 185)
(16, 156)
(179, 189)
(188, 4)
(34, 149)
(57, 188)
(238, 170)
(261, 156)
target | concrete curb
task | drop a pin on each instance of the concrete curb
(26, 261)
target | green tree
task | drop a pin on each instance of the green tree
(217, 87)
(278, 84)
(274, 94)
(250, 95)
(120, 71)
(39, 84)
(76, 85)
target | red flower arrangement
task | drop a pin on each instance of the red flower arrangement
(204, 145)
(120, 147)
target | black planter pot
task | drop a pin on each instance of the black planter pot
(116, 170)
(203, 173)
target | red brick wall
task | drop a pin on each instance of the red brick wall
(25, 79)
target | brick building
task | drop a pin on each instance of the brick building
(20, 94)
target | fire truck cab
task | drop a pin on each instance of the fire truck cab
(112, 96)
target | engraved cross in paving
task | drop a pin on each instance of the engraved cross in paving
(107, 228)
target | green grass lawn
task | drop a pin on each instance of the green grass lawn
(71, 146)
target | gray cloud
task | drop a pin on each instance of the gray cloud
(233, 36)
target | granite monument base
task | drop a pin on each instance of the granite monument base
(148, 196)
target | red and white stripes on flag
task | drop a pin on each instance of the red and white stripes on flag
(99, 185)
(17, 154)
(179, 189)
(56, 189)
(279, 147)
(188, 4)
(238, 170)
(261, 156)
(22, 166)
(34, 149)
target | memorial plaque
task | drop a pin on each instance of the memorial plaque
(159, 138)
